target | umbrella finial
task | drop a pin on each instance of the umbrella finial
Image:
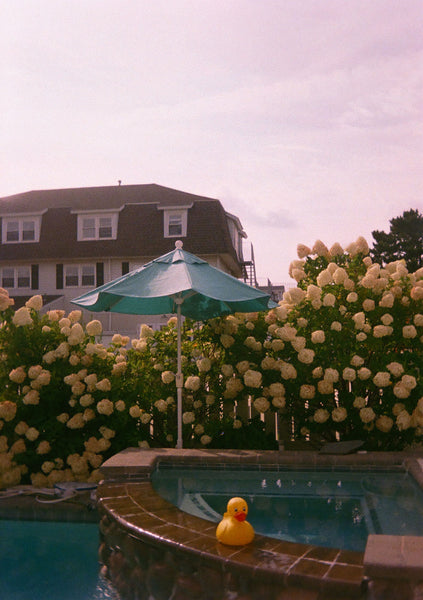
(178, 244)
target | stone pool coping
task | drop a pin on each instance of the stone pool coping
(127, 496)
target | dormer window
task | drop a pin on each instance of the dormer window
(16, 230)
(175, 223)
(98, 226)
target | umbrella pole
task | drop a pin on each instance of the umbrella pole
(179, 377)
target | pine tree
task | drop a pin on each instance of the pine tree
(403, 241)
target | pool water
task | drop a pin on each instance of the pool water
(322, 507)
(50, 561)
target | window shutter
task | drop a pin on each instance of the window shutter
(125, 268)
(59, 277)
(99, 274)
(34, 277)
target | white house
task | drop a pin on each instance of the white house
(61, 243)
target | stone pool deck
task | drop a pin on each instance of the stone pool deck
(152, 549)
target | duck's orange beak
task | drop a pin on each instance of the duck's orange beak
(241, 516)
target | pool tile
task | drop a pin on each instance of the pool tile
(350, 557)
(346, 573)
(308, 571)
(323, 554)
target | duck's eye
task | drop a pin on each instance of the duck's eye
(236, 510)
(244, 509)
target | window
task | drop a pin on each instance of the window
(88, 228)
(79, 275)
(87, 275)
(12, 231)
(175, 223)
(28, 231)
(16, 277)
(20, 229)
(97, 226)
(105, 228)
(8, 277)
(24, 277)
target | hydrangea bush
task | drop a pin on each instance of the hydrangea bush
(339, 358)
(61, 409)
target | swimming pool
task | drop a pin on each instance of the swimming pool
(45, 560)
(330, 508)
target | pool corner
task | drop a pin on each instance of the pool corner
(162, 550)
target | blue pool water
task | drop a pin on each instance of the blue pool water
(323, 507)
(50, 561)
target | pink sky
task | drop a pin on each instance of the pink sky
(303, 118)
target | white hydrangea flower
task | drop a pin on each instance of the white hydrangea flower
(382, 379)
(307, 391)
(167, 377)
(161, 405)
(306, 356)
(356, 361)
(359, 402)
(303, 251)
(401, 391)
(324, 278)
(321, 415)
(261, 404)
(278, 401)
(359, 320)
(192, 383)
(298, 275)
(336, 250)
(395, 368)
(331, 375)
(368, 304)
(22, 317)
(252, 378)
(325, 387)
(367, 414)
(329, 300)
(94, 327)
(387, 300)
(409, 381)
(339, 414)
(314, 292)
(340, 275)
(318, 337)
(298, 343)
(188, 418)
(320, 248)
(409, 331)
(35, 302)
(336, 326)
(403, 420)
(294, 295)
(349, 374)
(384, 423)
(380, 331)
(277, 389)
(227, 370)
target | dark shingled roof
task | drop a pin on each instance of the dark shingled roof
(140, 227)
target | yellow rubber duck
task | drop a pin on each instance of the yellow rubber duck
(233, 529)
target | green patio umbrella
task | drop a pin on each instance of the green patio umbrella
(181, 283)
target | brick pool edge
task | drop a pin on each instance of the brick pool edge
(152, 549)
